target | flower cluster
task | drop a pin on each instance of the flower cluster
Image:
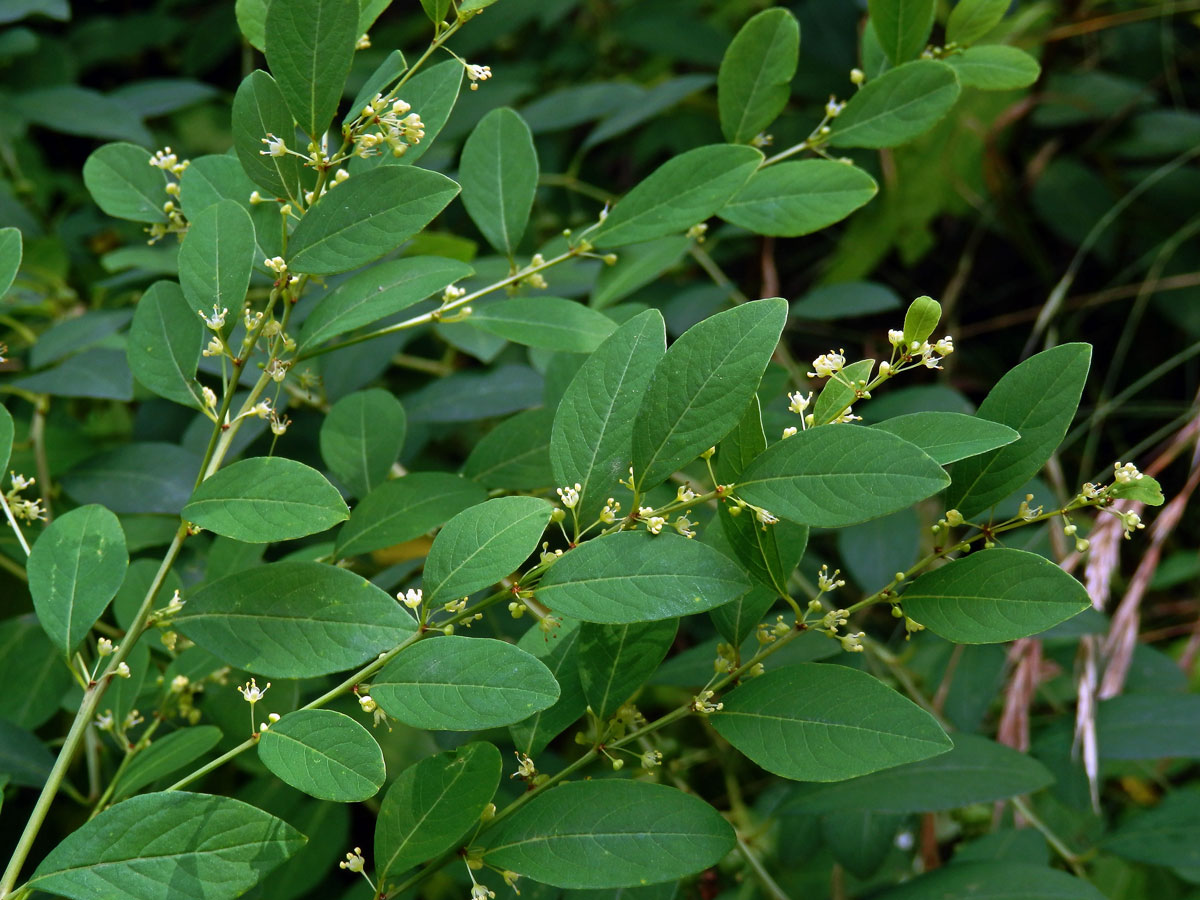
(399, 128)
(173, 167)
(919, 352)
(28, 511)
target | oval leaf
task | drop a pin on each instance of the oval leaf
(499, 174)
(481, 545)
(361, 438)
(547, 322)
(615, 660)
(593, 426)
(463, 684)
(609, 833)
(165, 338)
(995, 67)
(75, 569)
(168, 845)
(432, 806)
(896, 107)
(839, 475)
(902, 26)
(634, 576)
(258, 110)
(994, 595)
(814, 722)
(797, 198)
(264, 499)
(700, 388)
(294, 620)
(324, 754)
(367, 216)
(406, 508)
(217, 257)
(977, 770)
(756, 73)
(124, 184)
(309, 47)
(377, 293)
(1038, 398)
(949, 436)
(678, 194)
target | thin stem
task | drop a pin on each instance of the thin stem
(435, 315)
(1071, 858)
(769, 885)
(37, 436)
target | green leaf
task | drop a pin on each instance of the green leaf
(837, 396)
(921, 317)
(148, 477)
(902, 26)
(995, 67)
(28, 658)
(294, 619)
(756, 74)
(76, 568)
(377, 293)
(1038, 398)
(994, 595)
(483, 544)
(463, 684)
(949, 436)
(310, 46)
(211, 179)
(1168, 835)
(609, 833)
(616, 660)
(995, 881)
(164, 756)
(324, 754)
(815, 722)
(10, 257)
(436, 10)
(896, 107)
(499, 175)
(124, 184)
(1149, 726)
(558, 649)
(840, 475)
(217, 257)
(634, 576)
(700, 388)
(976, 770)
(1142, 489)
(551, 323)
(594, 424)
(98, 372)
(264, 499)
(369, 215)
(361, 438)
(796, 198)
(638, 265)
(432, 94)
(7, 430)
(678, 194)
(431, 806)
(406, 508)
(164, 344)
(252, 22)
(844, 300)
(770, 554)
(23, 757)
(738, 619)
(168, 845)
(858, 841)
(515, 455)
(972, 19)
(258, 110)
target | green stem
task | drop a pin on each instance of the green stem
(769, 885)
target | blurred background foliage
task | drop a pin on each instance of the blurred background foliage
(1066, 211)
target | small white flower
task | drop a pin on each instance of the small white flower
(251, 692)
(684, 494)
(480, 891)
(789, 431)
(20, 482)
(179, 684)
(827, 582)
(123, 670)
(857, 76)
(799, 402)
(478, 73)
(833, 109)
(945, 346)
(570, 495)
(701, 704)
(1126, 473)
(104, 721)
(852, 643)
(104, 647)
(651, 759)
(368, 705)
(525, 767)
(611, 511)
(133, 719)
(684, 526)
(655, 524)
(767, 518)
(895, 337)
(275, 146)
(175, 605)
(452, 293)
(210, 397)
(412, 598)
(828, 364)
(256, 198)
(354, 862)
(215, 347)
(276, 264)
